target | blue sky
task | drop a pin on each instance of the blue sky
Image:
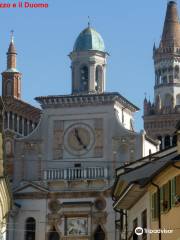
(44, 38)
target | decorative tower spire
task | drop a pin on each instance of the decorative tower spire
(88, 63)
(11, 54)
(164, 112)
(171, 30)
(11, 78)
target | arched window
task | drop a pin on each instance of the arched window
(178, 99)
(158, 102)
(84, 78)
(156, 78)
(168, 100)
(164, 80)
(176, 71)
(98, 78)
(170, 78)
(174, 141)
(167, 142)
(30, 229)
(9, 88)
(99, 234)
(53, 235)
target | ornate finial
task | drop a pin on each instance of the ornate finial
(89, 22)
(12, 36)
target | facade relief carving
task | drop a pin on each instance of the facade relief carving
(98, 128)
(99, 217)
(58, 138)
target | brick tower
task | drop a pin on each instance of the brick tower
(161, 116)
(11, 77)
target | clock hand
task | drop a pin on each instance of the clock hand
(79, 139)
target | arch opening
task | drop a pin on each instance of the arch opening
(30, 229)
(84, 78)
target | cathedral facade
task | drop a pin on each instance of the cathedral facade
(62, 159)
(162, 116)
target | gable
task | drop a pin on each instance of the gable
(30, 188)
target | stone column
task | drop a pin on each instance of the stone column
(23, 126)
(13, 125)
(18, 124)
(171, 141)
(28, 125)
(103, 77)
(92, 71)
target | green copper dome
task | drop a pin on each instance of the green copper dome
(89, 39)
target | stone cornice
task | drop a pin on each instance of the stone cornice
(64, 195)
(84, 100)
(167, 85)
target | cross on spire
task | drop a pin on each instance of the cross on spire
(12, 36)
(89, 21)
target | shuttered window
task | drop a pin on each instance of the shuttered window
(177, 185)
(175, 190)
(165, 197)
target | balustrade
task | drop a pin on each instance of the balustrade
(76, 173)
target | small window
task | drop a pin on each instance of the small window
(9, 88)
(30, 229)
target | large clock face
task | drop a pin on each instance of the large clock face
(79, 139)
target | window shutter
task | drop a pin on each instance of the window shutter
(173, 191)
(152, 206)
(178, 185)
(169, 195)
(156, 205)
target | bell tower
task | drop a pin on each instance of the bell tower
(11, 77)
(161, 116)
(88, 63)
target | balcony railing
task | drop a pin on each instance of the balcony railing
(76, 173)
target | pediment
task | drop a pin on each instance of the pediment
(30, 188)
